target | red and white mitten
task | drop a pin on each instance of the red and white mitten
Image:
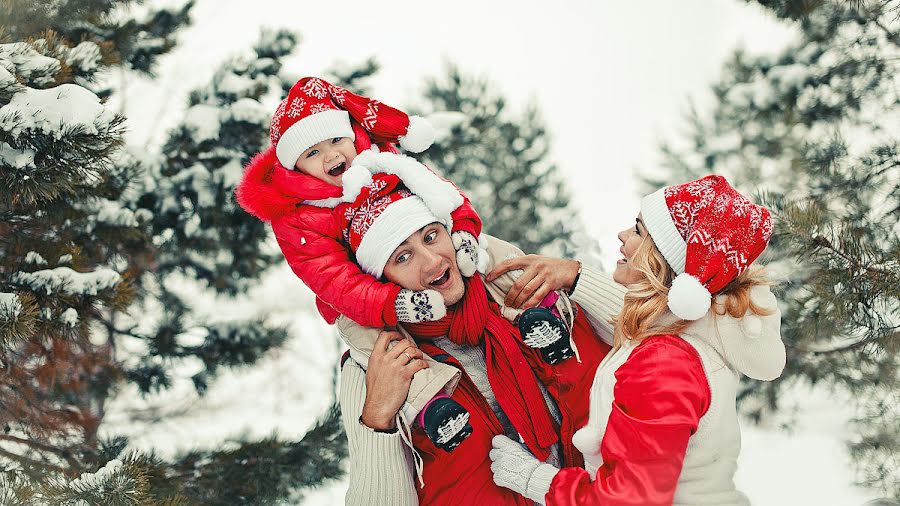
(419, 306)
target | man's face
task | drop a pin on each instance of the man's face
(328, 160)
(427, 261)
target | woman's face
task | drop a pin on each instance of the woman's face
(427, 261)
(631, 238)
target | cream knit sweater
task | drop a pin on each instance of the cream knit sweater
(382, 469)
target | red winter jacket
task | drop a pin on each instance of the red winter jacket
(464, 476)
(312, 240)
(661, 392)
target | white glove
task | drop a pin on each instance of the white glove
(470, 256)
(368, 159)
(515, 468)
(423, 306)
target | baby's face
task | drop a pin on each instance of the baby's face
(328, 160)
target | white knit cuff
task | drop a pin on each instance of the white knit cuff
(656, 217)
(601, 298)
(309, 131)
(598, 293)
(540, 481)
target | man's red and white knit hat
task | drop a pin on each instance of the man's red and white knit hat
(315, 110)
(386, 213)
(709, 234)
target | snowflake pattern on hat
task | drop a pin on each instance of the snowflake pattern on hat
(317, 108)
(339, 94)
(371, 116)
(361, 218)
(296, 108)
(276, 120)
(316, 88)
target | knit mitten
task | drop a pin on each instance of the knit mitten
(468, 253)
(422, 306)
(446, 423)
(542, 329)
(515, 468)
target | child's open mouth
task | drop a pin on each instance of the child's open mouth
(442, 280)
(338, 169)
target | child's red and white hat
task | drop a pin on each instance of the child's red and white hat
(709, 234)
(386, 213)
(315, 110)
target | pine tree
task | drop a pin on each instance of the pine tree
(501, 161)
(813, 131)
(93, 236)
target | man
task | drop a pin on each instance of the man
(507, 388)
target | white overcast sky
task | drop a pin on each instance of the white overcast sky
(612, 78)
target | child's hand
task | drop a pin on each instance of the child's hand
(423, 306)
(469, 256)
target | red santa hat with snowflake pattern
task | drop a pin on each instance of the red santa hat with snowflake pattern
(709, 234)
(387, 212)
(315, 110)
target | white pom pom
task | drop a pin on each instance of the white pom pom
(419, 135)
(355, 179)
(688, 298)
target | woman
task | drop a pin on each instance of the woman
(507, 388)
(663, 426)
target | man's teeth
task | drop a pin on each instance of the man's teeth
(438, 279)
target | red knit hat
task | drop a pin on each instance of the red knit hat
(315, 110)
(386, 213)
(709, 234)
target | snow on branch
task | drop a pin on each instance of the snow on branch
(31, 65)
(68, 281)
(56, 111)
(10, 306)
(85, 57)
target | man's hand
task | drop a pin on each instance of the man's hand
(540, 276)
(388, 376)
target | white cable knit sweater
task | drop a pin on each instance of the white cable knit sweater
(382, 470)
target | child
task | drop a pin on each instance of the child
(325, 148)
(663, 426)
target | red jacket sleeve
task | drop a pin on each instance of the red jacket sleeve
(326, 266)
(660, 394)
(465, 218)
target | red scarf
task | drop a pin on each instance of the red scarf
(474, 320)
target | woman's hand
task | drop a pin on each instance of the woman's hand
(388, 377)
(541, 275)
(515, 468)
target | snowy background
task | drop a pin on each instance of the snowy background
(612, 80)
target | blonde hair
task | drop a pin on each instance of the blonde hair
(646, 301)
